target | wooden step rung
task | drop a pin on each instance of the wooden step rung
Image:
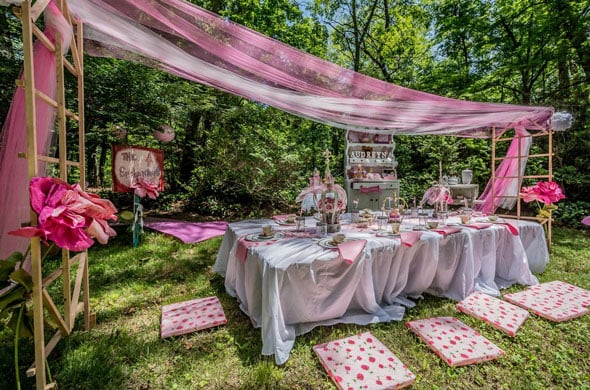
(38, 8)
(70, 114)
(48, 159)
(522, 157)
(54, 312)
(42, 37)
(57, 273)
(68, 65)
(524, 177)
(46, 98)
(48, 348)
(538, 133)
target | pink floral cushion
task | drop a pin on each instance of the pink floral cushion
(556, 301)
(363, 362)
(454, 342)
(501, 315)
(189, 316)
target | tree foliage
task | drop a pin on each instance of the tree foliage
(234, 157)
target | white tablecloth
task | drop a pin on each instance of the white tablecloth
(293, 285)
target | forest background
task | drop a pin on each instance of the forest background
(233, 158)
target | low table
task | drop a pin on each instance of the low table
(293, 285)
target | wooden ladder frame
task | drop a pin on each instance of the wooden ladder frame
(74, 301)
(497, 138)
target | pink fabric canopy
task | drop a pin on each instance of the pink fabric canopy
(198, 45)
(195, 44)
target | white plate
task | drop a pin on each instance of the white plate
(329, 244)
(387, 234)
(257, 237)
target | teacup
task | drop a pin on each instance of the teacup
(395, 226)
(432, 224)
(465, 218)
(290, 219)
(338, 238)
(267, 230)
(492, 218)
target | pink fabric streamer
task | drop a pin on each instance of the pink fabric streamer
(586, 221)
(509, 167)
(195, 44)
(14, 197)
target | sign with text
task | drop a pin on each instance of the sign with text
(131, 162)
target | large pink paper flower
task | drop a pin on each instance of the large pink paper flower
(546, 192)
(144, 187)
(67, 215)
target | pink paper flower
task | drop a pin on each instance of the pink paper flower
(67, 215)
(546, 192)
(144, 187)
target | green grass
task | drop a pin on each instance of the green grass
(124, 350)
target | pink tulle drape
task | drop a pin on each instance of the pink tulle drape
(508, 172)
(14, 197)
(188, 41)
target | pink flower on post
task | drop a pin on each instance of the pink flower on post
(144, 187)
(546, 192)
(67, 215)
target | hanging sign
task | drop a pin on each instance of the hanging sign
(131, 162)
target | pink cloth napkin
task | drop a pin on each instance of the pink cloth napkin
(478, 225)
(350, 250)
(410, 238)
(512, 226)
(243, 245)
(445, 231)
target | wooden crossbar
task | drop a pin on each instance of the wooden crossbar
(532, 135)
(37, 9)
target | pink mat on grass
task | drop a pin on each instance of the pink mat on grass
(454, 342)
(501, 315)
(363, 362)
(189, 316)
(556, 301)
(187, 232)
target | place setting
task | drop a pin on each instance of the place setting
(267, 234)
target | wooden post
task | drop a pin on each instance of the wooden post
(31, 122)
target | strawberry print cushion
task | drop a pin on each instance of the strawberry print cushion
(501, 315)
(556, 301)
(189, 316)
(363, 362)
(454, 342)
